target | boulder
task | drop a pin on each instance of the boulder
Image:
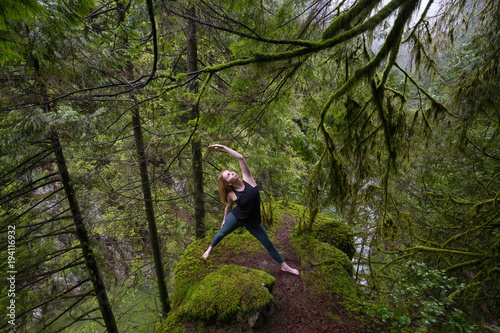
(213, 293)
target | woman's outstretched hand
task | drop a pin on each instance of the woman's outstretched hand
(231, 152)
(217, 146)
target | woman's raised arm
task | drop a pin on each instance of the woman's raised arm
(245, 170)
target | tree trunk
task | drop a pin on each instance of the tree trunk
(196, 160)
(81, 232)
(150, 215)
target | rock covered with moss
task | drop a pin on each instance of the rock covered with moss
(335, 233)
(230, 291)
(330, 270)
(324, 228)
(211, 292)
(327, 273)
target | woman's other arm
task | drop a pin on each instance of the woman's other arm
(229, 207)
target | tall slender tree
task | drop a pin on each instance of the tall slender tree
(81, 232)
(196, 152)
(150, 214)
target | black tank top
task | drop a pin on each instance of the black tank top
(247, 210)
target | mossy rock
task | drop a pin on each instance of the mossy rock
(192, 268)
(328, 270)
(327, 273)
(209, 291)
(335, 233)
(325, 229)
(230, 291)
(229, 294)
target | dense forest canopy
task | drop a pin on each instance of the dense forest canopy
(384, 115)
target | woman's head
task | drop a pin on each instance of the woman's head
(225, 180)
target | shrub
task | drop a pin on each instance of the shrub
(420, 297)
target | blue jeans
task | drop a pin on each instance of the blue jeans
(257, 231)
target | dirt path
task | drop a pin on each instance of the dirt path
(295, 311)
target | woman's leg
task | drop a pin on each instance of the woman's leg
(260, 233)
(229, 226)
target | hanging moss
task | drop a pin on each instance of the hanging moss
(347, 20)
(313, 47)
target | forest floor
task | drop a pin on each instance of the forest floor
(295, 311)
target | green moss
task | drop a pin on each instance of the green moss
(211, 291)
(330, 269)
(335, 233)
(223, 294)
(325, 229)
(228, 294)
(192, 268)
(327, 273)
(280, 208)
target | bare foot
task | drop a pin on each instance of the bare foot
(288, 269)
(207, 253)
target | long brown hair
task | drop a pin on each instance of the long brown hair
(224, 187)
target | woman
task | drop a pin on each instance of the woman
(245, 194)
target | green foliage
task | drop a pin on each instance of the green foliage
(421, 297)
(81, 66)
(444, 211)
(14, 13)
